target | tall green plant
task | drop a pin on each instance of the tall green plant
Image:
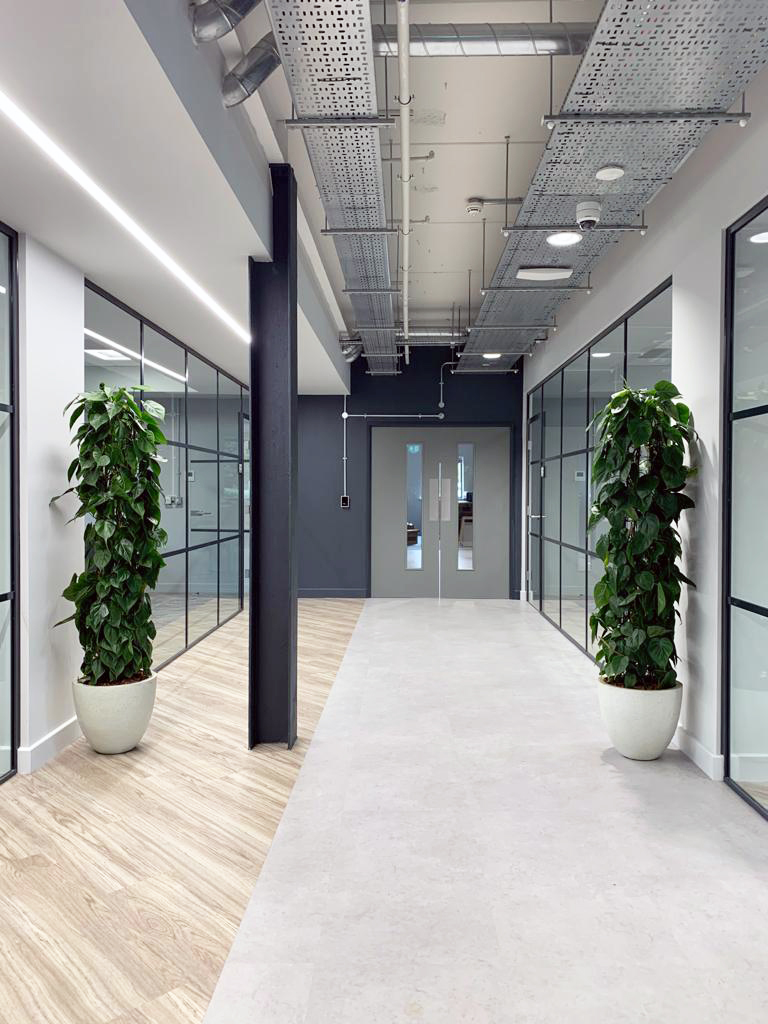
(640, 471)
(117, 482)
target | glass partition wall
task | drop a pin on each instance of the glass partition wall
(745, 569)
(201, 585)
(8, 510)
(562, 567)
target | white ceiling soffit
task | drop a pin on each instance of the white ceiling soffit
(243, 145)
(691, 55)
(85, 73)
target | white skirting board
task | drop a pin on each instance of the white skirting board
(711, 764)
(33, 757)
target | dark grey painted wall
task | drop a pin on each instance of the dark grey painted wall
(334, 543)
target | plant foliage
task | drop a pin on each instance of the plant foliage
(640, 471)
(117, 482)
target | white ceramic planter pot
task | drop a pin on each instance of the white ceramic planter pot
(114, 718)
(640, 723)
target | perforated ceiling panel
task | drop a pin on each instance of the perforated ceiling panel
(645, 55)
(327, 53)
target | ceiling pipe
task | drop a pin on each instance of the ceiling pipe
(214, 19)
(250, 72)
(351, 350)
(544, 39)
(404, 99)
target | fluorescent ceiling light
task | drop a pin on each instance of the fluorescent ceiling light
(544, 273)
(491, 355)
(760, 238)
(134, 355)
(107, 354)
(600, 355)
(65, 162)
(611, 172)
(562, 239)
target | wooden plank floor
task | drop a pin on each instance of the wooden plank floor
(123, 879)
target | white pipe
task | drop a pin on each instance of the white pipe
(403, 60)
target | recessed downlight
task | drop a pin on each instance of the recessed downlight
(611, 172)
(544, 273)
(491, 355)
(760, 238)
(562, 239)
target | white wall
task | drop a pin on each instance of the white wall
(51, 305)
(687, 221)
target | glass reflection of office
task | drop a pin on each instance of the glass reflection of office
(465, 494)
(200, 585)
(414, 473)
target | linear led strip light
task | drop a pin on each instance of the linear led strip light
(62, 160)
(133, 355)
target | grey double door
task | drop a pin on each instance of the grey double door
(440, 512)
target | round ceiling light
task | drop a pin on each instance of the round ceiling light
(491, 355)
(562, 239)
(760, 238)
(611, 172)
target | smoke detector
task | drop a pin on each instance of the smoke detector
(474, 206)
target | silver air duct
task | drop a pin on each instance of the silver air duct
(524, 40)
(215, 18)
(351, 350)
(249, 73)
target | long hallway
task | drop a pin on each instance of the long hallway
(464, 845)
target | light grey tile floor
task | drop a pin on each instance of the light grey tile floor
(463, 845)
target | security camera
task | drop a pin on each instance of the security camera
(588, 214)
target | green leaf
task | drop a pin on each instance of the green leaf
(639, 432)
(603, 592)
(660, 650)
(665, 389)
(100, 558)
(661, 600)
(155, 410)
(105, 529)
(125, 548)
(645, 580)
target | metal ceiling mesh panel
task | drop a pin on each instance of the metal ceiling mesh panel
(327, 53)
(655, 56)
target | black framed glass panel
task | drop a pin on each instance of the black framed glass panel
(552, 415)
(202, 512)
(649, 342)
(8, 511)
(745, 612)
(575, 404)
(112, 344)
(562, 567)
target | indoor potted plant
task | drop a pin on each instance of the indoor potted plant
(116, 477)
(639, 474)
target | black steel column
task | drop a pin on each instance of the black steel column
(274, 577)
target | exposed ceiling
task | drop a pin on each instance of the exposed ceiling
(652, 56)
(87, 76)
